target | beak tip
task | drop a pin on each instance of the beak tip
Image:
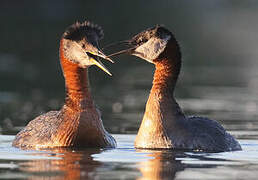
(109, 73)
(108, 58)
(102, 55)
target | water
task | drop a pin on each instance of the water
(218, 80)
(125, 162)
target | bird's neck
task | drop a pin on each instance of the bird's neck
(77, 84)
(81, 123)
(161, 100)
(167, 69)
(162, 113)
(165, 76)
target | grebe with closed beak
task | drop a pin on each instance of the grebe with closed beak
(78, 123)
(164, 124)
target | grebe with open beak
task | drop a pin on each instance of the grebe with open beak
(78, 123)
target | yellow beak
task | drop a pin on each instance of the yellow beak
(98, 63)
(101, 66)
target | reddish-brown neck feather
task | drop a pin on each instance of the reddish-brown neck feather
(168, 67)
(76, 82)
(162, 112)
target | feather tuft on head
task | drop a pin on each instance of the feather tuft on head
(78, 31)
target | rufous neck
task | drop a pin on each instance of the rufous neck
(167, 69)
(76, 81)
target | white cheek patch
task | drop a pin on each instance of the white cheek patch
(75, 53)
(152, 48)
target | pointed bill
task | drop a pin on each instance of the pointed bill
(101, 66)
(102, 55)
(125, 51)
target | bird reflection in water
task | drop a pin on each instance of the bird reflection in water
(72, 165)
(163, 165)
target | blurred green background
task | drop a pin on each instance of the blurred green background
(218, 41)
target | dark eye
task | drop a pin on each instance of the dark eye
(142, 40)
(139, 40)
(83, 46)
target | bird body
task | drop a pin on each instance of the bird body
(78, 123)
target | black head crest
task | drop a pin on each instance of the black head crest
(78, 31)
(144, 36)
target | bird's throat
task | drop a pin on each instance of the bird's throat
(162, 106)
(77, 83)
(162, 114)
(167, 68)
(165, 76)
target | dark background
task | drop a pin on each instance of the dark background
(218, 41)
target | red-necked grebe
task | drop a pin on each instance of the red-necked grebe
(78, 123)
(164, 124)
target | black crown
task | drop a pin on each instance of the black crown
(78, 30)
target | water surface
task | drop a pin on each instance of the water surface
(125, 162)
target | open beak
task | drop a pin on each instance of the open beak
(94, 57)
(102, 55)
